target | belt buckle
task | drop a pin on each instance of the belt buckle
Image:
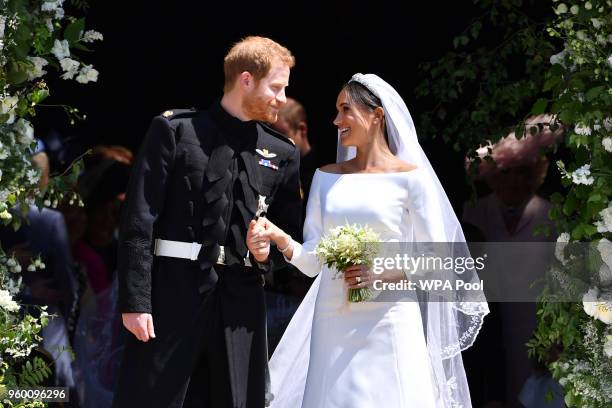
(221, 257)
(195, 250)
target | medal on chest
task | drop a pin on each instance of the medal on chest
(262, 207)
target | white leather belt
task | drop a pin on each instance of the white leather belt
(185, 250)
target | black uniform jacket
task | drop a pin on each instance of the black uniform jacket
(197, 178)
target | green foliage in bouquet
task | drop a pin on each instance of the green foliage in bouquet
(349, 245)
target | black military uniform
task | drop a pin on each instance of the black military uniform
(198, 178)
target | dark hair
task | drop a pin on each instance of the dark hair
(362, 96)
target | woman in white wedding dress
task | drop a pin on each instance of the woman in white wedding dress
(394, 353)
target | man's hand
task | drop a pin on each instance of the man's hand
(259, 247)
(140, 325)
(271, 232)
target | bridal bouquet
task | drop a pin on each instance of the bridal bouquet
(346, 246)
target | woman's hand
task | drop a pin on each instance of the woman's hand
(358, 276)
(282, 240)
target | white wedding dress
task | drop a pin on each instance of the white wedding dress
(357, 355)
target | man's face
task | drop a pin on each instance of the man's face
(265, 99)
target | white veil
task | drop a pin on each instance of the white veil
(450, 326)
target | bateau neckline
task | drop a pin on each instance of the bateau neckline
(385, 173)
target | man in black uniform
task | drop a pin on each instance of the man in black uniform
(190, 292)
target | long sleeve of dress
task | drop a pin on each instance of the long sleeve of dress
(304, 257)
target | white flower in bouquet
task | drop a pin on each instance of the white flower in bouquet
(7, 106)
(6, 301)
(91, 36)
(25, 132)
(606, 142)
(70, 67)
(37, 70)
(61, 49)
(87, 74)
(5, 215)
(598, 307)
(608, 346)
(582, 175)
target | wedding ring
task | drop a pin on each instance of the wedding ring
(358, 279)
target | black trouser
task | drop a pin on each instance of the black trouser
(215, 357)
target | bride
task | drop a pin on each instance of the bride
(396, 353)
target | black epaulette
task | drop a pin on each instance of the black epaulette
(179, 113)
(276, 133)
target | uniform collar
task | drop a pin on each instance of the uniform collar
(234, 127)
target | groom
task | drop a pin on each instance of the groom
(190, 293)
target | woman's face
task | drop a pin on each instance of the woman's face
(353, 121)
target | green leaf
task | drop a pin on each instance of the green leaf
(589, 230)
(539, 107)
(16, 223)
(17, 73)
(595, 198)
(577, 232)
(81, 47)
(569, 205)
(73, 32)
(39, 95)
(594, 92)
(475, 29)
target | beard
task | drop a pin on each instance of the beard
(258, 108)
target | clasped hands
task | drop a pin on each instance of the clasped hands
(262, 232)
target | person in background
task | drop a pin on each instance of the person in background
(511, 212)
(97, 342)
(292, 122)
(44, 234)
